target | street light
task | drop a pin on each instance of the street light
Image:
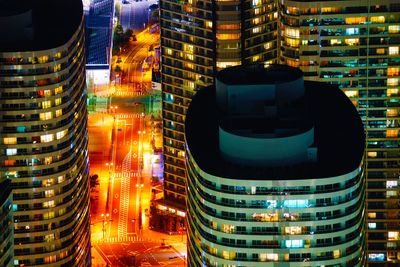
(105, 219)
(109, 165)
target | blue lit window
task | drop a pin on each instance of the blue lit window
(296, 203)
(371, 225)
(352, 31)
(21, 129)
(376, 256)
(294, 243)
(15, 207)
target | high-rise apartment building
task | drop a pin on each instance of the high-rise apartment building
(199, 37)
(270, 181)
(355, 44)
(6, 225)
(43, 135)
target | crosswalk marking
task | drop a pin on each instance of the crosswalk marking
(124, 174)
(115, 239)
(128, 115)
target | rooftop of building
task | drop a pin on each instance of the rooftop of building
(338, 131)
(33, 25)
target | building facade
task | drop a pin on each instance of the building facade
(269, 182)
(197, 39)
(43, 135)
(6, 225)
(355, 44)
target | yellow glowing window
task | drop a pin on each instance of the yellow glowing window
(336, 254)
(46, 216)
(292, 10)
(47, 93)
(46, 116)
(188, 9)
(46, 138)
(326, 10)
(57, 101)
(392, 92)
(372, 154)
(257, 2)
(268, 45)
(371, 215)
(392, 133)
(209, 24)
(291, 32)
(43, 59)
(188, 48)
(394, 28)
(391, 194)
(227, 228)
(380, 51)
(292, 63)
(393, 50)
(168, 51)
(336, 42)
(189, 56)
(351, 93)
(57, 55)
(58, 112)
(292, 42)
(223, 65)
(235, 26)
(256, 21)
(189, 66)
(255, 58)
(393, 81)
(356, 20)
(391, 112)
(257, 11)
(352, 41)
(10, 140)
(48, 160)
(377, 19)
(46, 104)
(190, 1)
(57, 67)
(392, 71)
(256, 30)
(228, 36)
(61, 134)
(393, 235)
(58, 90)
(228, 255)
(293, 230)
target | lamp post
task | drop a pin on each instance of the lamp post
(109, 165)
(105, 219)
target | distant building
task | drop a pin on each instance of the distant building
(43, 133)
(99, 15)
(6, 225)
(275, 170)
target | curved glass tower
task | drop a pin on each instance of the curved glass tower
(43, 132)
(275, 176)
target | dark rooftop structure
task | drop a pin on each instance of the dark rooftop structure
(338, 131)
(32, 25)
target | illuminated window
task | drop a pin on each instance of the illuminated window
(48, 160)
(228, 36)
(376, 256)
(394, 28)
(391, 194)
(302, 203)
(57, 101)
(60, 179)
(356, 20)
(380, 51)
(257, 2)
(294, 243)
(49, 204)
(292, 32)
(57, 67)
(256, 30)
(293, 230)
(46, 138)
(292, 10)
(292, 63)
(257, 11)
(371, 225)
(392, 81)
(393, 235)
(11, 151)
(336, 254)
(209, 24)
(268, 257)
(235, 26)
(168, 51)
(392, 133)
(371, 215)
(292, 42)
(226, 228)
(391, 184)
(268, 45)
(46, 104)
(49, 193)
(377, 19)
(228, 255)
(46, 116)
(189, 66)
(393, 50)
(223, 65)
(9, 162)
(391, 112)
(372, 154)
(10, 140)
(58, 112)
(57, 55)
(58, 90)
(352, 41)
(352, 31)
(392, 92)
(255, 58)
(351, 93)
(43, 59)
(336, 41)
(47, 92)
(256, 21)
(392, 71)
(189, 56)
(188, 48)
